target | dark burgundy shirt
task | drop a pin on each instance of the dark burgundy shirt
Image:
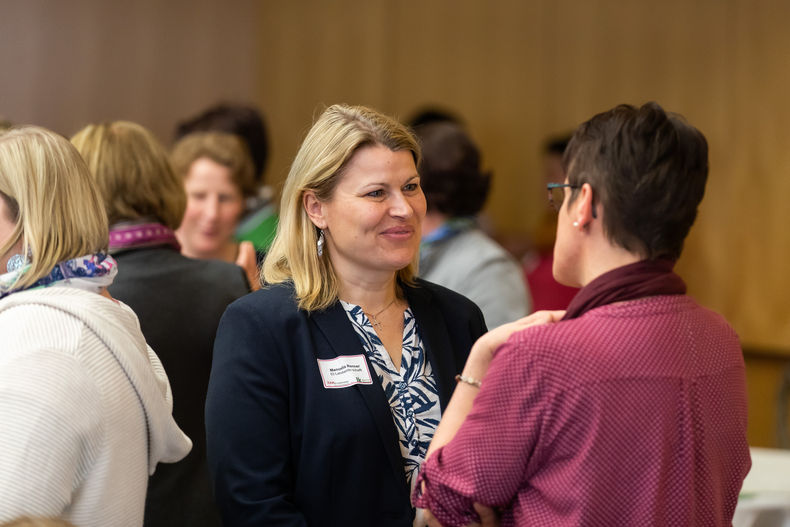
(632, 414)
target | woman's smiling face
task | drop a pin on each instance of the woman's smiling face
(373, 220)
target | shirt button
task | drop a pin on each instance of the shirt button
(410, 412)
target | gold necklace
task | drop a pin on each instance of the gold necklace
(374, 321)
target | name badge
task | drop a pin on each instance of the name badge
(344, 371)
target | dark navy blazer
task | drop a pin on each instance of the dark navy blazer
(284, 450)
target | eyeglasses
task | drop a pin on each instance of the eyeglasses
(557, 195)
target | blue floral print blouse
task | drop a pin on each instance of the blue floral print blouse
(412, 392)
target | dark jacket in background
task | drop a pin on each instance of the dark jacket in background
(179, 302)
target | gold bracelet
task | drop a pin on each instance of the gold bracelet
(468, 380)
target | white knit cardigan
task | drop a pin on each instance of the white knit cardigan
(85, 409)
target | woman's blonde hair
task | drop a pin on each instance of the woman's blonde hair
(57, 211)
(133, 173)
(224, 149)
(330, 144)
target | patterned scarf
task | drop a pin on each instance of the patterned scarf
(91, 272)
(629, 282)
(125, 236)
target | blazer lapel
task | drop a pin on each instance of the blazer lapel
(338, 332)
(435, 338)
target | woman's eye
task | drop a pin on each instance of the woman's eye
(411, 187)
(375, 194)
(197, 196)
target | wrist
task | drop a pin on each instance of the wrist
(476, 365)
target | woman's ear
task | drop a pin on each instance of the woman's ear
(314, 209)
(582, 211)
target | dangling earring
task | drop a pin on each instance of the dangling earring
(15, 262)
(575, 223)
(320, 243)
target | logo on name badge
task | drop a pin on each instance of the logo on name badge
(344, 371)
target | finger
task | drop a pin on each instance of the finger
(488, 517)
(430, 519)
(540, 317)
(246, 254)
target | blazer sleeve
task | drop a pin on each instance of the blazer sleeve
(247, 425)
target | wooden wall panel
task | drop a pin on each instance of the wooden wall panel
(66, 64)
(519, 71)
(516, 70)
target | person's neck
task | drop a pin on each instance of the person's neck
(433, 220)
(372, 292)
(606, 257)
(227, 252)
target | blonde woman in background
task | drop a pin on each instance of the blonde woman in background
(179, 300)
(327, 385)
(218, 177)
(85, 406)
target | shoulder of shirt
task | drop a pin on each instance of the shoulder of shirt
(442, 295)
(216, 274)
(475, 246)
(274, 302)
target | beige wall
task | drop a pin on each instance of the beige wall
(516, 70)
(520, 70)
(65, 64)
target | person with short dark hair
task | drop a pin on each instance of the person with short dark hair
(455, 252)
(545, 291)
(630, 407)
(433, 114)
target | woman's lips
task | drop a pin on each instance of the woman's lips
(398, 233)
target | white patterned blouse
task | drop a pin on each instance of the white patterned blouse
(412, 392)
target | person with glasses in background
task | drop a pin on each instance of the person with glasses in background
(630, 407)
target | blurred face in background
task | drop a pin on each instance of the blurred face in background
(214, 207)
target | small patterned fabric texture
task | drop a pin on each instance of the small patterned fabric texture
(632, 414)
(91, 272)
(135, 235)
(411, 392)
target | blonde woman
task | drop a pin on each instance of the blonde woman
(179, 300)
(85, 406)
(218, 176)
(327, 385)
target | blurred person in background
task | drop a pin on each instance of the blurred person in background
(328, 383)
(85, 405)
(179, 300)
(630, 407)
(544, 289)
(455, 252)
(260, 220)
(218, 175)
